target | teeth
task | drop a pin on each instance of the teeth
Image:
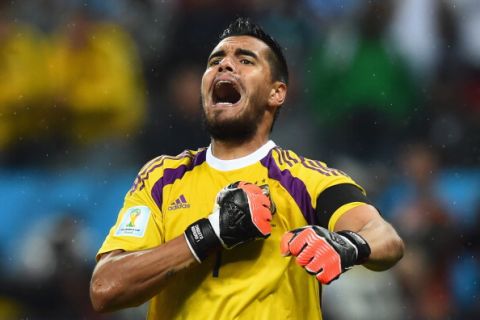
(223, 82)
(225, 93)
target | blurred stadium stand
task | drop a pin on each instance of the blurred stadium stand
(388, 91)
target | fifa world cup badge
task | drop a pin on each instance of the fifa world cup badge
(134, 222)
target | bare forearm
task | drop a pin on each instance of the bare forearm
(125, 279)
(385, 244)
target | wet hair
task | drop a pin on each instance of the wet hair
(276, 59)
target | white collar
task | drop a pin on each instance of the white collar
(227, 165)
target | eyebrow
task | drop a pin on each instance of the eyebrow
(238, 52)
(245, 52)
(220, 53)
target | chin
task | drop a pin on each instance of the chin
(233, 127)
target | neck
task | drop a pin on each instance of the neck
(233, 150)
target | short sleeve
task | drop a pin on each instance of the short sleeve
(139, 224)
(323, 194)
(337, 198)
(332, 192)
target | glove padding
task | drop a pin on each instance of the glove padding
(242, 212)
(323, 253)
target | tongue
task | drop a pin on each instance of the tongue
(226, 92)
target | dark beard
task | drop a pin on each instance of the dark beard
(237, 130)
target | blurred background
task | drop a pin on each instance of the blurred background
(388, 91)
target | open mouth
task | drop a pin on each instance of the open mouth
(225, 92)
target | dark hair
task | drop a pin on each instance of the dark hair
(244, 27)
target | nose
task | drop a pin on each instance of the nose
(226, 65)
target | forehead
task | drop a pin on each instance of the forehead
(253, 44)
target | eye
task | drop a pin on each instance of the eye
(213, 62)
(245, 61)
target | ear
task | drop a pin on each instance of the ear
(278, 94)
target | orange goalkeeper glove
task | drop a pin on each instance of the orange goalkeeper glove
(242, 212)
(323, 253)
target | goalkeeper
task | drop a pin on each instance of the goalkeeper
(242, 229)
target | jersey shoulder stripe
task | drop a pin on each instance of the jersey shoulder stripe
(290, 159)
(171, 174)
(293, 185)
(304, 179)
(160, 164)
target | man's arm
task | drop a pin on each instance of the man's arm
(360, 236)
(122, 279)
(385, 244)
(126, 279)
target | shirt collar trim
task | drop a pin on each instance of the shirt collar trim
(227, 165)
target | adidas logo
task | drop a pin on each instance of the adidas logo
(180, 203)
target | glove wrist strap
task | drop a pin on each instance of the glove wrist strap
(201, 239)
(359, 242)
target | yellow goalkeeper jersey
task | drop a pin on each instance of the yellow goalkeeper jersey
(253, 280)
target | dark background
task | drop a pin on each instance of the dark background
(388, 91)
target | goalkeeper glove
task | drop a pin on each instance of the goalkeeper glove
(323, 253)
(242, 212)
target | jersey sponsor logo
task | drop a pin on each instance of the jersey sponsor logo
(134, 222)
(180, 203)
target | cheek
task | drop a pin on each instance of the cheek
(206, 79)
(258, 82)
(259, 91)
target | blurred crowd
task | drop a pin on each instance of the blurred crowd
(388, 91)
